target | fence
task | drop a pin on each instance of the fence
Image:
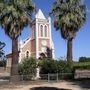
(45, 77)
(56, 77)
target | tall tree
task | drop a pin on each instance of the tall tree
(69, 16)
(14, 16)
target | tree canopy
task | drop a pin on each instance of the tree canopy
(69, 16)
(13, 15)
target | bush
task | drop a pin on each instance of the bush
(3, 63)
(63, 68)
(48, 66)
(84, 59)
(28, 68)
(53, 66)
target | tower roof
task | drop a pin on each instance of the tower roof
(40, 14)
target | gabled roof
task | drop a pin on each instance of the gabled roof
(25, 42)
(40, 15)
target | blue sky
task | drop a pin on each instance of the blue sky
(81, 44)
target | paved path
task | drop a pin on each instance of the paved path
(27, 86)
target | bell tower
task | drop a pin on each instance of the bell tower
(41, 33)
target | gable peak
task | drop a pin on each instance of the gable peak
(40, 14)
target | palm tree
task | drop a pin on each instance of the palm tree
(2, 45)
(13, 18)
(69, 16)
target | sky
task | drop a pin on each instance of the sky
(81, 43)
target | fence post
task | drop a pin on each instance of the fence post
(22, 77)
(57, 77)
(48, 77)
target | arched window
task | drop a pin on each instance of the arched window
(27, 54)
(41, 29)
(45, 31)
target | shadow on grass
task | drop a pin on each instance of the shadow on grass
(48, 88)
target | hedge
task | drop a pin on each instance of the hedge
(27, 68)
(2, 63)
(81, 65)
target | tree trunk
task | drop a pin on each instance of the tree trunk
(14, 65)
(69, 50)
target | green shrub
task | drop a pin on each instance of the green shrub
(64, 67)
(48, 66)
(84, 59)
(28, 68)
(53, 66)
(65, 70)
(3, 63)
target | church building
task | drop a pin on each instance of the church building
(40, 40)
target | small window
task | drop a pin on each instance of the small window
(41, 29)
(27, 54)
(45, 31)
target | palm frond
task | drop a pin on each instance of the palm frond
(15, 15)
(69, 16)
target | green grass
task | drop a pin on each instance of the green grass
(81, 65)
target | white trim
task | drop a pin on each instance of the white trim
(26, 41)
(50, 32)
(37, 38)
(44, 37)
